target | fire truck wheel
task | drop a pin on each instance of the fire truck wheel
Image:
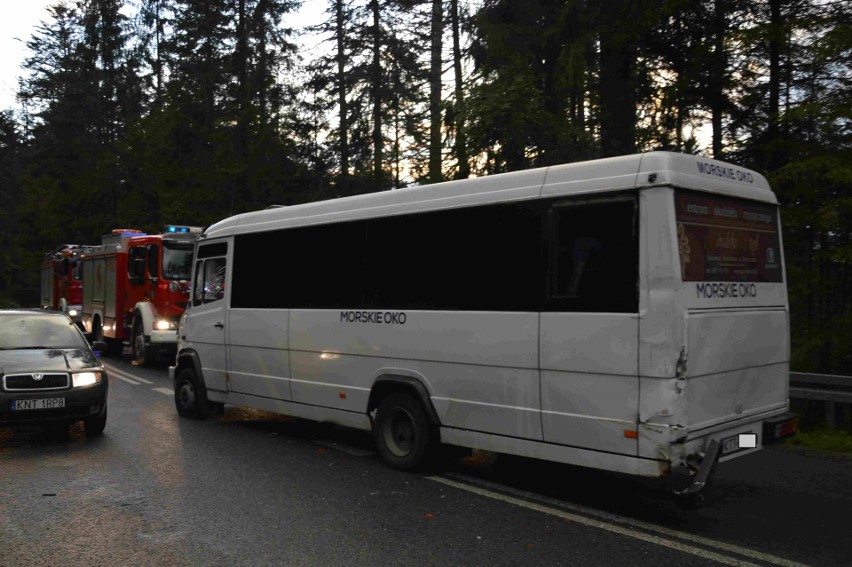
(143, 355)
(98, 331)
(190, 395)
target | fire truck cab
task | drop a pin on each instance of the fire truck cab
(136, 287)
(61, 280)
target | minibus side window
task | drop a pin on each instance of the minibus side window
(214, 279)
(209, 277)
(198, 284)
(209, 281)
(594, 258)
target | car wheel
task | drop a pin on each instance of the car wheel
(95, 425)
(143, 354)
(402, 433)
(190, 395)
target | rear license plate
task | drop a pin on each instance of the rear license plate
(37, 404)
(739, 442)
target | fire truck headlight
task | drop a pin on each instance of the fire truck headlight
(163, 325)
(174, 287)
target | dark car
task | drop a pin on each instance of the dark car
(49, 373)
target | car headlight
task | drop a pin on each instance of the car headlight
(72, 312)
(85, 379)
(164, 325)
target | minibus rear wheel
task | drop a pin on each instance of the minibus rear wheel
(190, 395)
(402, 433)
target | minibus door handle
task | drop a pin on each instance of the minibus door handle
(219, 325)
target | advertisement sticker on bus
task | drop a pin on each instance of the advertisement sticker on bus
(727, 240)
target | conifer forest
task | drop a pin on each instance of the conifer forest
(146, 112)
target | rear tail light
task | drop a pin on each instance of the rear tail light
(780, 427)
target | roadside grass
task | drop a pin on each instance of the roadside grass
(823, 439)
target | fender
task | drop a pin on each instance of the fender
(148, 313)
(93, 319)
(398, 382)
(188, 358)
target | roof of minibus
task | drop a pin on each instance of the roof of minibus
(622, 173)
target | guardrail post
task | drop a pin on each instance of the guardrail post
(831, 414)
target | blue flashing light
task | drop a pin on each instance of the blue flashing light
(177, 228)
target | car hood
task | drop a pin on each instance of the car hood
(46, 360)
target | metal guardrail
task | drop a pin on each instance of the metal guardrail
(824, 387)
(830, 389)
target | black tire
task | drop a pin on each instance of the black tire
(95, 425)
(402, 433)
(191, 396)
(143, 354)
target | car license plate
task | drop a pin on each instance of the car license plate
(40, 403)
(739, 442)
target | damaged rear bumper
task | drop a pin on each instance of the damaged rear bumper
(688, 458)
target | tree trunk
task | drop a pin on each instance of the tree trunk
(435, 174)
(376, 91)
(340, 22)
(717, 70)
(617, 90)
(463, 171)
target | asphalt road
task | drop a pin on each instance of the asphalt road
(252, 488)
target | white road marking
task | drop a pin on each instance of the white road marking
(128, 380)
(626, 531)
(640, 524)
(135, 380)
(125, 376)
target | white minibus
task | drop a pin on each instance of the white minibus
(627, 314)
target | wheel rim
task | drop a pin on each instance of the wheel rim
(186, 395)
(400, 433)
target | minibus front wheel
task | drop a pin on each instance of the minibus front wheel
(190, 395)
(402, 433)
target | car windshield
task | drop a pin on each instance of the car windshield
(38, 330)
(177, 261)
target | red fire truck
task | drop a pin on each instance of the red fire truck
(135, 288)
(61, 280)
